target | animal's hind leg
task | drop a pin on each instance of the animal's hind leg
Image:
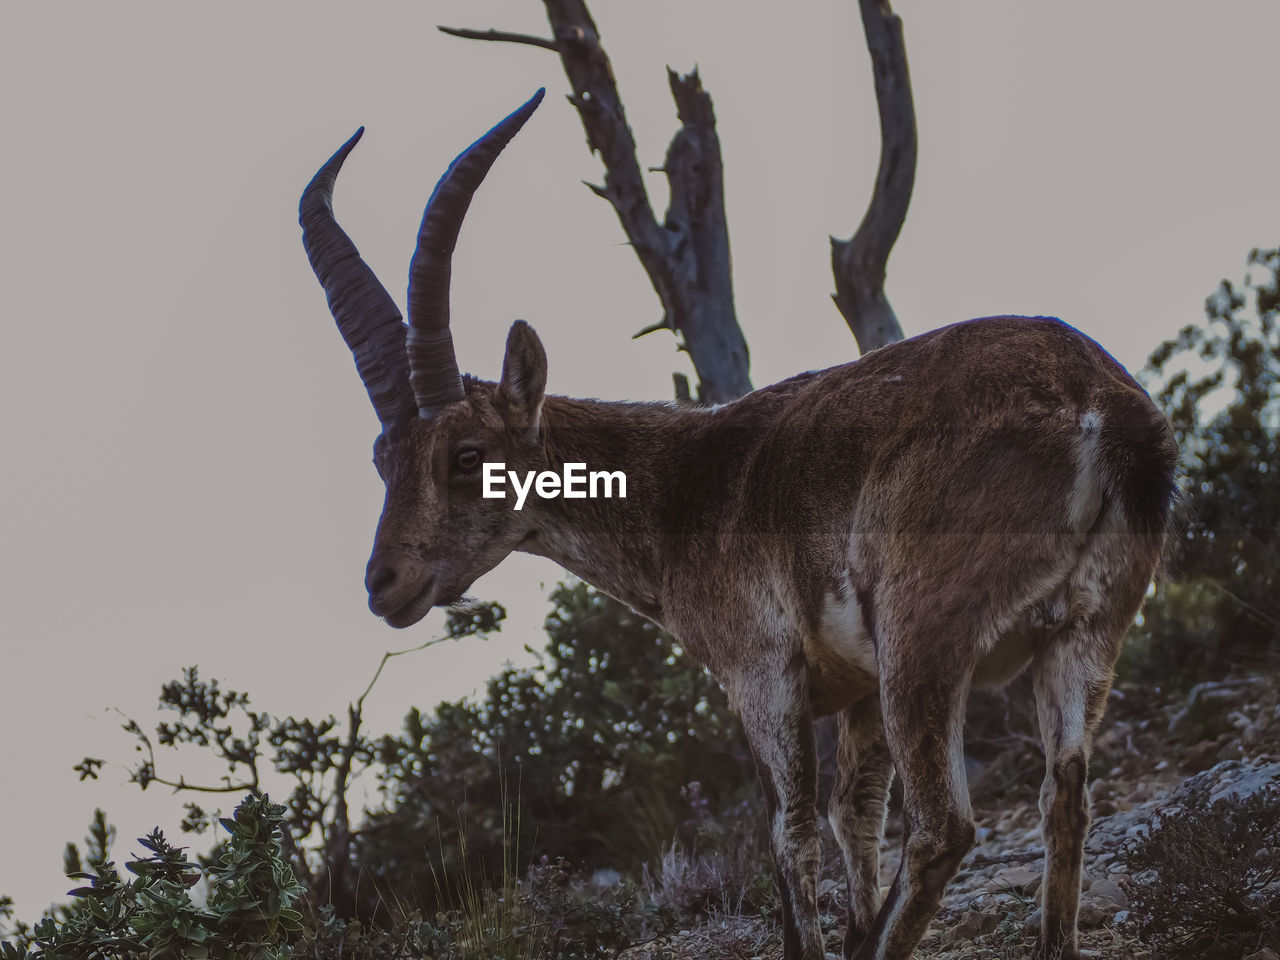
(864, 772)
(1071, 683)
(1072, 675)
(923, 707)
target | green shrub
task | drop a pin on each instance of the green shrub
(1219, 384)
(247, 912)
(1207, 877)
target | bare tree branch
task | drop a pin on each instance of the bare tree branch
(859, 263)
(337, 849)
(686, 256)
(502, 36)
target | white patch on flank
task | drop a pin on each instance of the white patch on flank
(842, 633)
(1086, 494)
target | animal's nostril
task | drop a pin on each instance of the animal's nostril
(380, 580)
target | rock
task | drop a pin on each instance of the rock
(1206, 699)
(966, 928)
(1023, 878)
(1109, 891)
(1104, 808)
(1266, 953)
(1031, 925)
(1231, 777)
(1139, 794)
(1201, 756)
(1094, 912)
(605, 878)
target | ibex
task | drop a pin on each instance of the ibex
(871, 541)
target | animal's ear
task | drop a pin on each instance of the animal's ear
(524, 378)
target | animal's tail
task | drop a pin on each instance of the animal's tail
(1138, 459)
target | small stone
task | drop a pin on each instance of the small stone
(1093, 913)
(1108, 890)
(966, 928)
(1032, 923)
(1201, 756)
(1022, 878)
(1266, 953)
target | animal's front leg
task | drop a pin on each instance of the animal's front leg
(773, 703)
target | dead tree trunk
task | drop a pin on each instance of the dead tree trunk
(859, 262)
(687, 255)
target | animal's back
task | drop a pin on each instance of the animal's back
(999, 410)
(970, 465)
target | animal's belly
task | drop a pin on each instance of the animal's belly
(1010, 655)
(836, 685)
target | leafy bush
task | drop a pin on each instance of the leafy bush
(1219, 384)
(247, 912)
(717, 863)
(1207, 877)
(596, 741)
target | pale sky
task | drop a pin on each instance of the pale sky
(187, 476)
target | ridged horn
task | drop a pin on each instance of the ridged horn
(367, 317)
(433, 367)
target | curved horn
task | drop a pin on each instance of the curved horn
(433, 368)
(367, 317)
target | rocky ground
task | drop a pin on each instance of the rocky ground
(1225, 735)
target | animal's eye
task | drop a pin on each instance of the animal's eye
(468, 459)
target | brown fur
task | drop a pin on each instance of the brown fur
(869, 540)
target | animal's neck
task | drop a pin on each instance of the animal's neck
(613, 543)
